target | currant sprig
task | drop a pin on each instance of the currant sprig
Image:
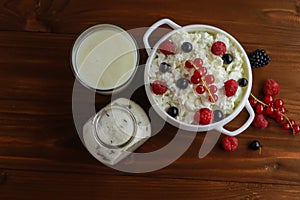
(208, 90)
(267, 107)
(203, 80)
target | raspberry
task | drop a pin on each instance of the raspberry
(229, 143)
(231, 87)
(159, 87)
(167, 47)
(271, 87)
(204, 116)
(260, 121)
(218, 48)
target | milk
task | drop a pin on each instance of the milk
(106, 58)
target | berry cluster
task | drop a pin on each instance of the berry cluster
(271, 107)
(230, 143)
(219, 49)
(202, 80)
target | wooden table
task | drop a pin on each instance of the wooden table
(41, 155)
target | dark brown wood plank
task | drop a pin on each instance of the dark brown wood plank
(41, 155)
(85, 186)
(44, 137)
(72, 16)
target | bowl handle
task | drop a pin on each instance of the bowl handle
(242, 128)
(154, 27)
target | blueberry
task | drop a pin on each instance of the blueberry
(243, 82)
(172, 111)
(255, 145)
(182, 83)
(187, 47)
(164, 67)
(227, 58)
(218, 115)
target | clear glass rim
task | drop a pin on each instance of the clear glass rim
(96, 130)
(82, 36)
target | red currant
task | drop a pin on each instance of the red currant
(189, 64)
(296, 128)
(197, 74)
(279, 118)
(269, 110)
(195, 79)
(214, 99)
(198, 62)
(259, 109)
(275, 114)
(213, 89)
(209, 79)
(286, 126)
(268, 99)
(202, 71)
(273, 108)
(200, 89)
(278, 103)
(282, 110)
(253, 102)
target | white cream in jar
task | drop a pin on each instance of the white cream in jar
(116, 131)
(104, 58)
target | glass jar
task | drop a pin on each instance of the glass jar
(104, 58)
(116, 131)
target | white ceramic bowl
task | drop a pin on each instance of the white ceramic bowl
(219, 126)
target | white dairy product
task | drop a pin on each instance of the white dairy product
(116, 131)
(106, 58)
(115, 126)
(188, 101)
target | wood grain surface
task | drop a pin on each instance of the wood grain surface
(41, 154)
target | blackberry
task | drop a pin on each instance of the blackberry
(259, 58)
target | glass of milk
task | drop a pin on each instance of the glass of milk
(105, 58)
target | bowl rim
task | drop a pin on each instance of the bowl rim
(194, 127)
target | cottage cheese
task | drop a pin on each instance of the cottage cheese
(188, 101)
